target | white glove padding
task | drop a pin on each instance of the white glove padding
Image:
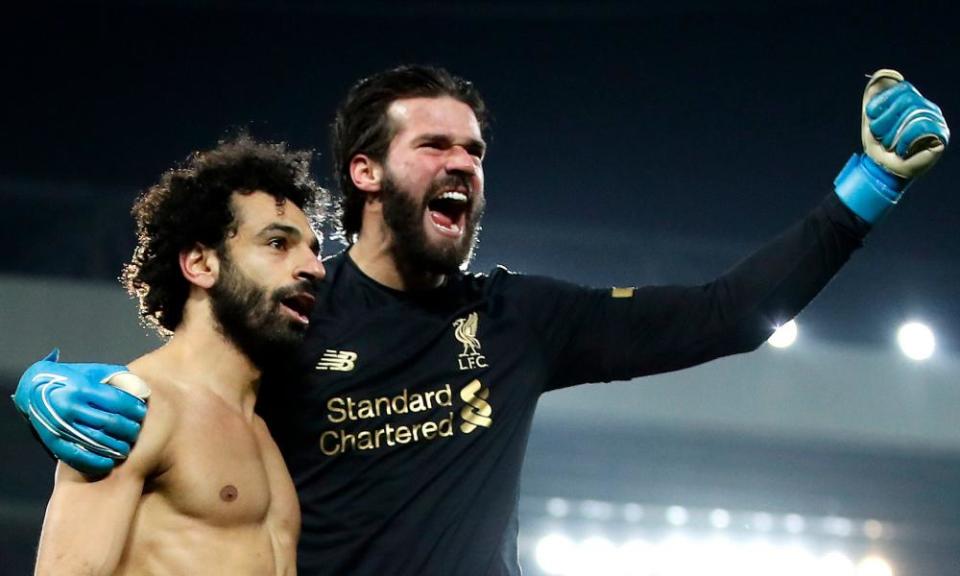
(901, 130)
(130, 383)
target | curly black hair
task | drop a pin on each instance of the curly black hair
(191, 204)
(362, 126)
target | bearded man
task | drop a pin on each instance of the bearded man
(226, 267)
(406, 430)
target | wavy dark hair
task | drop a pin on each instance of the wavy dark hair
(191, 204)
(362, 126)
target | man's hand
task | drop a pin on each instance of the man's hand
(901, 130)
(78, 413)
(903, 136)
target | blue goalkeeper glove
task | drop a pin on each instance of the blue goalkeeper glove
(903, 136)
(87, 415)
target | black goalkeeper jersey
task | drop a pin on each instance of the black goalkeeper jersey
(406, 426)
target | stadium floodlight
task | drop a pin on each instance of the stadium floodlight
(636, 557)
(785, 335)
(555, 553)
(719, 518)
(794, 523)
(677, 516)
(595, 555)
(836, 564)
(874, 566)
(916, 340)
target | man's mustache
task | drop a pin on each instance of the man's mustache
(300, 287)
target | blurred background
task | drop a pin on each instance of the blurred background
(632, 143)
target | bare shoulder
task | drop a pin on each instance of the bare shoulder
(150, 453)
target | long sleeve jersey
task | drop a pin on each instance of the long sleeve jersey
(406, 421)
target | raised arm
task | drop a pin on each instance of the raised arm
(601, 335)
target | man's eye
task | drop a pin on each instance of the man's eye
(278, 243)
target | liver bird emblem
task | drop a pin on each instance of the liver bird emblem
(465, 331)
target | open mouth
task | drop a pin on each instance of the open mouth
(448, 212)
(299, 306)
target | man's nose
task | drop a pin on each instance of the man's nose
(312, 270)
(459, 161)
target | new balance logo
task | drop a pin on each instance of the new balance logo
(337, 360)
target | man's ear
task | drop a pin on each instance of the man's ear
(200, 265)
(366, 173)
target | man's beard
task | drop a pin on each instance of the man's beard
(252, 319)
(411, 248)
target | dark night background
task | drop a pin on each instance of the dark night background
(632, 143)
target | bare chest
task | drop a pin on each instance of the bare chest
(225, 471)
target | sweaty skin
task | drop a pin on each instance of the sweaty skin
(205, 489)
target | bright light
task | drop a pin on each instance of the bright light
(677, 515)
(836, 564)
(554, 553)
(916, 340)
(796, 561)
(720, 556)
(784, 336)
(794, 523)
(677, 557)
(874, 566)
(636, 558)
(595, 555)
(719, 518)
(759, 558)
(681, 555)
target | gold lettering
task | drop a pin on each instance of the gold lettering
(388, 431)
(399, 403)
(446, 426)
(472, 362)
(337, 442)
(365, 409)
(429, 429)
(364, 441)
(445, 396)
(335, 406)
(323, 445)
(347, 440)
(381, 405)
(416, 403)
(416, 430)
(350, 405)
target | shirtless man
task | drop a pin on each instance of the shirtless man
(406, 422)
(227, 263)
